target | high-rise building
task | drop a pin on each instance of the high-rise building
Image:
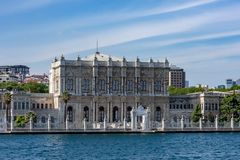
(229, 83)
(238, 82)
(18, 70)
(176, 77)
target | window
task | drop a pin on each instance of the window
(102, 85)
(128, 115)
(86, 85)
(33, 105)
(116, 85)
(15, 105)
(52, 119)
(70, 114)
(158, 86)
(23, 105)
(27, 105)
(46, 105)
(70, 84)
(143, 85)
(86, 113)
(43, 119)
(129, 85)
(56, 85)
(19, 105)
(50, 105)
(42, 106)
(100, 114)
(37, 105)
(115, 114)
(158, 114)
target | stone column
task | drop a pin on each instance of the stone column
(133, 119)
(49, 122)
(84, 124)
(124, 124)
(11, 120)
(200, 123)
(232, 122)
(216, 122)
(163, 124)
(67, 127)
(31, 124)
(105, 123)
(182, 123)
(122, 112)
(144, 126)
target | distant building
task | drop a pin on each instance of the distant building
(186, 84)
(176, 77)
(43, 79)
(18, 70)
(8, 77)
(238, 82)
(202, 86)
(229, 83)
(221, 87)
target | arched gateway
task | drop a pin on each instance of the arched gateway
(140, 112)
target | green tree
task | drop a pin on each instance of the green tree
(230, 105)
(7, 97)
(20, 121)
(196, 114)
(210, 117)
(66, 96)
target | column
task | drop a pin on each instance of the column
(133, 119)
(67, 127)
(182, 123)
(31, 124)
(105, 123)
(163, 124)
(200, 123)
(216, 122)
(84, 124)
(124, 124)
(232, 122)
(49, 122)
(122, 112)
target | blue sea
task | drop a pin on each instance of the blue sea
(121, 146)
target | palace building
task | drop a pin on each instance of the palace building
(112, 91)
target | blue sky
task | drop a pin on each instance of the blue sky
(203, 37)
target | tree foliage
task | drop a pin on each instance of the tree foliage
(32, 87)
(230, 105)
(196, 114)
(22, 120)
(183, 91)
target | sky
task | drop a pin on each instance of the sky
(201, 36)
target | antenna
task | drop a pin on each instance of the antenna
(97, 48)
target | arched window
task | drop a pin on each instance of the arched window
(70, 114)
(128, 115)
(101, 114)
(43, 119)
(115, 114)
(158, 114)
(69, 84)
(86, 113)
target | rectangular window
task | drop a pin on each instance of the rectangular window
(23, 105)
(27, 105)
(129, 85)
(15, 105)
